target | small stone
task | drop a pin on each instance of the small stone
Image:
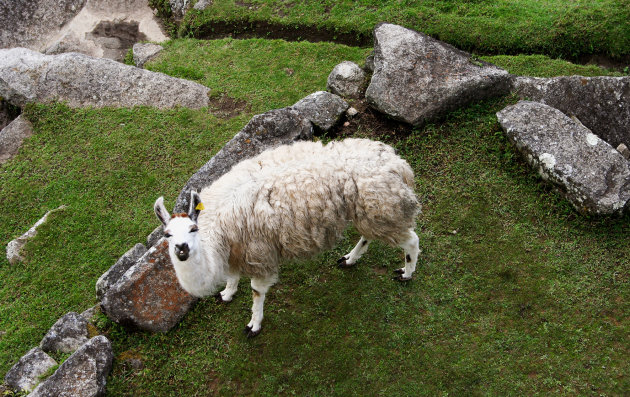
(347, 79)
(12, 136)
(25, 375)
(322, 108)
(623, 149)
(351, 112)
(66, 335)
(14, 248)
(346, 124)
(142, 53)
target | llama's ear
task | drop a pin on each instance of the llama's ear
(195, 206)
(160, 211)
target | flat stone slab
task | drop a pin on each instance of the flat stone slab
(14, 247)
(602, 104)
(322, 108)
(148, 296)
(417, 78)
(24, 375)
(81, 81)
(142, 53)
(594, 176)
(83, 374)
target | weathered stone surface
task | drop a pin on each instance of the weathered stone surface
(591, 173)
(66, 335)
(623, 149)
(24, 375)
(346, 79)
(264, 131)
(88, 314)
(202, 4)
(602, 104)
(417, 78)
(155, 236)
(111, 276)
(148, 296)
(322, 108)
(83, 374)
(30, 22)
(179, 7)
(145, 52)
(12, 136)
(81, 80)
(14, 248)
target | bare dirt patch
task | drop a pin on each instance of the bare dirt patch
(226, 107)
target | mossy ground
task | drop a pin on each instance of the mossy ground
(515, 293)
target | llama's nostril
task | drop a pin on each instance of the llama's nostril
(182, 251)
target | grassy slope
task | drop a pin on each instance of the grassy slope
(556, 28)
(525, 297)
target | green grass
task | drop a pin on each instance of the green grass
(515, 294)
(543, 66)
(555, 28)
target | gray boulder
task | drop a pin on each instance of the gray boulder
(417, 78)
(601, 103)
(347, 79)
(119, 268)
(25, 375)
(148, 296)
(594, 177)
(264, 131)
(12, 136)
(83, 374)
(66, 335)
(322, 108)
(155, 236)
(81, 80)
(179, 7)
(30, 22)
(142, 53)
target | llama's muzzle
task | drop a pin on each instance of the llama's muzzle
(182, 251)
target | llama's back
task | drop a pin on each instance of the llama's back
(296, 200)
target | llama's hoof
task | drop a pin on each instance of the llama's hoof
(402, 279)
(342, 263)
(250, 334)
(399, 271)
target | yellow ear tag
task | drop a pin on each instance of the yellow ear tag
(200, 206)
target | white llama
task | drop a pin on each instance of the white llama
(286, 203)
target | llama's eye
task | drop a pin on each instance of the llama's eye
(194, 229)
(167, 235)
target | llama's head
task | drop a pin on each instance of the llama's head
(180, 229)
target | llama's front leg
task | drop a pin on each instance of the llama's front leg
(355, 254)
(260, 286)
(411, 256)
(230, 288)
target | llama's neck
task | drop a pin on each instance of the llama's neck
(204, 271)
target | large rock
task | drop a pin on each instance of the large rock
(81, 80)
(14, 247)
(591, 173)
(417, 78)
(179, 7)
(66, 335)
(346, 79)
(100, 28)
(111, 276)
(148, 296)
(12, 136)
(264, 131)
(25, 375)
(322, 108)
(30, 22)
(601, 103)
(83, 374)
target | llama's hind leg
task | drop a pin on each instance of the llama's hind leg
(411, 256)
(230, 289)
(354, 255)
(260, 286)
